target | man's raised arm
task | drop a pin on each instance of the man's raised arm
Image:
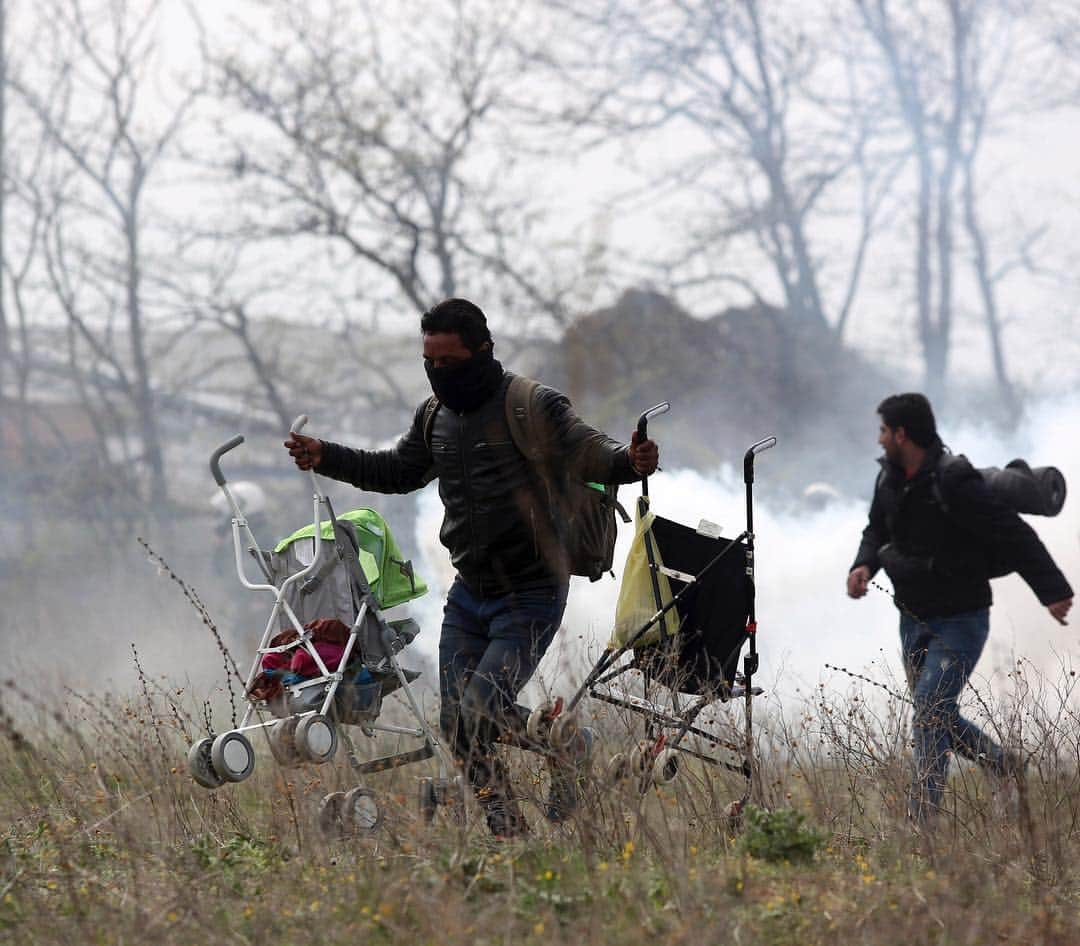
(403, 468)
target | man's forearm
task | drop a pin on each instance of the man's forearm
(1036, 566)
(378, 471)
(596, 456)
(868, 551)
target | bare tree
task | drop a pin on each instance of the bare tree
(25, 363)
(5, 333)
(918, 88)
(382, 134)
(745, 90)
(112, 139)
(949, 64)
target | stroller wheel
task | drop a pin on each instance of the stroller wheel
(360, 811)
(666, 767)
(641, 758)
(201, 767)
(618, 769)
(281, 734)
(429, 801)
(539, 721)
(316, 738)
(330, 814)
(563, 732)
(233, 756)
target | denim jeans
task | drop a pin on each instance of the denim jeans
(488, 650)
(939, 655)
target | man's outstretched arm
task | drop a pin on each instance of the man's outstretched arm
(403, 468)
(593, 454)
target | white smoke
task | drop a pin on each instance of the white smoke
(805, 619)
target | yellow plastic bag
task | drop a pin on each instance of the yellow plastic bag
(637, 603)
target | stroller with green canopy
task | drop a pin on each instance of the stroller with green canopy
(327, 657)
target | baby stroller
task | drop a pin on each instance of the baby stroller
(330, 582)
(698, 589)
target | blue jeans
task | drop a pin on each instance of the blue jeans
(939, 655)
(488, 650)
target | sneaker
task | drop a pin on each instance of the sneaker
(568, 772)
(503, 815)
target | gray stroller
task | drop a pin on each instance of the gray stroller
(330, 581)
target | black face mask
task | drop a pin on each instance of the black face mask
(465, 386)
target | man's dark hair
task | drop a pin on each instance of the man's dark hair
(911, 411)
(458, 316)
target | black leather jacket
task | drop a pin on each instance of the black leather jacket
(938, 557)
(497, 524)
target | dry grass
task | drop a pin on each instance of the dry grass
(105, 839)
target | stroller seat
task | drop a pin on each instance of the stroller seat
(703, 655)
(359, 571)
(685, 612)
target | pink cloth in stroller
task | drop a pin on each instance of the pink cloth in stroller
(328, 637)
(304, 664)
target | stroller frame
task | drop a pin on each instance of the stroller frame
(311, 735)
(656, 759)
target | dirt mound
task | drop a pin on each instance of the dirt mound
(732, 379)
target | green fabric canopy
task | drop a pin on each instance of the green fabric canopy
(383, 564)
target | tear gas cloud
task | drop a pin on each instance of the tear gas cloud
(805, 619)
(83, 621)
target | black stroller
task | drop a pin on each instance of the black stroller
(700, 595)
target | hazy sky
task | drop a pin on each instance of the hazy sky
(1027, 173)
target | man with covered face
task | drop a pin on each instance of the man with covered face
(508, 597)
(934, 527)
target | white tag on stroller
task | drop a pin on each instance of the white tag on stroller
(305, 551)
(709, 529)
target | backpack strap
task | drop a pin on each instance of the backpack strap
(944, 462)
(527, 428)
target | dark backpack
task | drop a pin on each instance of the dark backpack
(583, 513)
(1038, 491)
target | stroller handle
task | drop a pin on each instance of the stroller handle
(655, 411)
(748, 459)
(297, 425)
(215, 457)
